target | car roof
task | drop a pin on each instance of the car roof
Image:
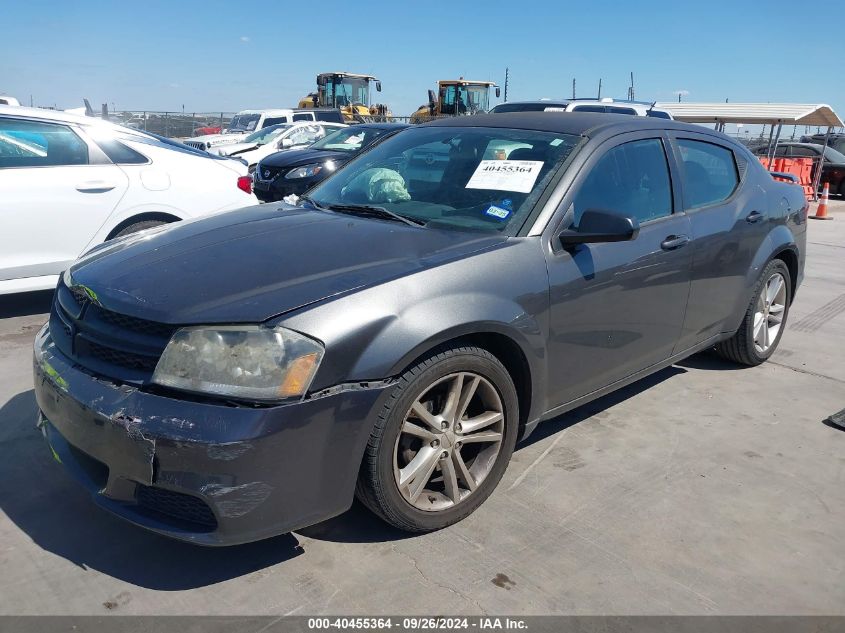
(381, 126)
(52, 115)
(579, 123)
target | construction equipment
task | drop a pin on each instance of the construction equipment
(350, 93)
(456, 97)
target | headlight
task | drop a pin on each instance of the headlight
(240, 361)
(306, 171)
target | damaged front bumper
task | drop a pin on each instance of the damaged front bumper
(203, 471)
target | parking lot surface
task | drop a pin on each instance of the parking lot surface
(703, 489)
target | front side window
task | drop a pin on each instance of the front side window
(457, 178)
(709, 172)
(350, 139)
(305, 134)
(831, 155)
(36, 144)
(267, 134)
(246, 122)
(632, 178)
(303, 116)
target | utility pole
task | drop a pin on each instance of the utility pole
(679, 96)
(573, 87)
(632, 85)
(599, 95)
(507, 74)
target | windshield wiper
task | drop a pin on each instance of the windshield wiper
(378, 212)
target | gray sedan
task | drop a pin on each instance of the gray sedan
(421, 310)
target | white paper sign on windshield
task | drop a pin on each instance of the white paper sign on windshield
(506, 175)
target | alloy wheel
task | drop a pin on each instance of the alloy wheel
(768, 317)
(449, 441)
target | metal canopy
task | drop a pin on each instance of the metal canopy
(818, 114)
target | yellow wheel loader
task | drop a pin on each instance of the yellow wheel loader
(456, 97)
(350, 93)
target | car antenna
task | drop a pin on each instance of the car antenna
(650, 108)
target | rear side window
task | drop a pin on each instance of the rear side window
(710, 174)
(589, 108)
(119, 153)
(275, 121)
(632, 178)
(37, 144)
(302, 116)
(333, 116)
(613, 110)
(658, 114)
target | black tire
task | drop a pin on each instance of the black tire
(137, 226)
(740, 348)
(376, 486)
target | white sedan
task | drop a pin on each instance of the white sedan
(270, 140)
(69, 182)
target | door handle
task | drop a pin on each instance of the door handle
(674, 241)
(754, 216)
(95, 186)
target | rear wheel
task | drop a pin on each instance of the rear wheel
(137, 226)
(442, 441)
(761, 329)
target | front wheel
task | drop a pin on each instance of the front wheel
(442, 441)
(764, 322)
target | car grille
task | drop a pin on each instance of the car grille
(196, 144)
(175, 505)
(106, 342)
(264, 172)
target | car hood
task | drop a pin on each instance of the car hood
(219, 139)
(297, 157)
(231, 149)
(250, 265)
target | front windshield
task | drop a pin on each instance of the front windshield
(267, 134)
(340, 92)
(455, 99)
(833, 156)
(350, 139)
(484, 179)
(244, 122)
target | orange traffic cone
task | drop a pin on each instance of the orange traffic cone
(821, 212)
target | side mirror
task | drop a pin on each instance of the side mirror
(601, 226)
(378, 86)
(498, 92)
(286, 142)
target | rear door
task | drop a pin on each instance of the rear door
(729, 219)
(57, 191)
(617, 308)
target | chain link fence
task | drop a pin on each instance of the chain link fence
(186, 125)
(173, 124)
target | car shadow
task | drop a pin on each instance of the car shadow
(710, 360)
(25, 303)
(58, 515)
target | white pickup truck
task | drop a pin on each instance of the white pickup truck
(249, 121)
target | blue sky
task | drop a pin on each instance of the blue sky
(213, 56)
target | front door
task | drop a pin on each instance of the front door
(54, 199)
(618, 307)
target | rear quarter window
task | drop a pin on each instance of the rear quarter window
(710, 173)
(119, 153)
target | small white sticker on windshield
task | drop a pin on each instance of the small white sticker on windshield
(506, 175)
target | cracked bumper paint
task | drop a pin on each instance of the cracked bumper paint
(260, 471)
